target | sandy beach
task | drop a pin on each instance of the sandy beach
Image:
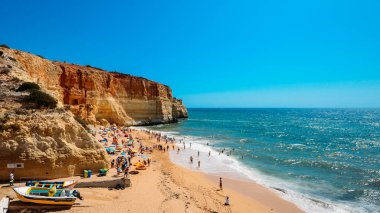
(166, 187)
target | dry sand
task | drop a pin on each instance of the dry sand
(166, 187)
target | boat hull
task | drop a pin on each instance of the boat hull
(46, 201)
(22, 193)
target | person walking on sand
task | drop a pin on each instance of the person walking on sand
(209, 153)
(220, 183)
(126, 172)
(191, 159)
(227, 203)
(199, 163)
(198, 154)
(11, 178)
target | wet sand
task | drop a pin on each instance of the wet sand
(166, 187)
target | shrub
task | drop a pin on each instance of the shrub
(81, 121)
(28, 86)
(5, 46)
(5, 70)
(42, 99)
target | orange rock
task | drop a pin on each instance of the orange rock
(95, 94)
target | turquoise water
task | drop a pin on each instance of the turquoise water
(321, 159)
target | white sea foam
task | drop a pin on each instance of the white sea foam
(230, 166)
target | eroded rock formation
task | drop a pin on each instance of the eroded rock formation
(50, 142)
(95, 94)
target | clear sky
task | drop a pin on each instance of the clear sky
(268, 53)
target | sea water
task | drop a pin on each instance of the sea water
(323, 160)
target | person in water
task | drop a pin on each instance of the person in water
(220, 183)
(191, 159)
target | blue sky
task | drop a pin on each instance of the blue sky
(269, 53)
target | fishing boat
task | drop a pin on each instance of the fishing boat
(47, 196)
(49, 184)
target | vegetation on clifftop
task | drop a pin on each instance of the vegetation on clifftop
(41, 99)
(26, 86)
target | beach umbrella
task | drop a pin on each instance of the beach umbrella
(110, 149)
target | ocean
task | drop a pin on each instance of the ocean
(323, 160)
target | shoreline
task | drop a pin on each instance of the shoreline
(242, 189)
(167, 187)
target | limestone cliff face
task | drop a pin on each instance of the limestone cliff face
(49, 142)
(95, 94)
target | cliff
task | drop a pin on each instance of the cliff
(95, 94)
(50, 143)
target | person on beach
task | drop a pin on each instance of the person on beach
(227, 203)
(11, 178)
(177, 150)
(220, 183)
(199, 163)
(119, 170)
(198, 154)
(209, 153)
(190, 145)
(191, 159)
(126, 172)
